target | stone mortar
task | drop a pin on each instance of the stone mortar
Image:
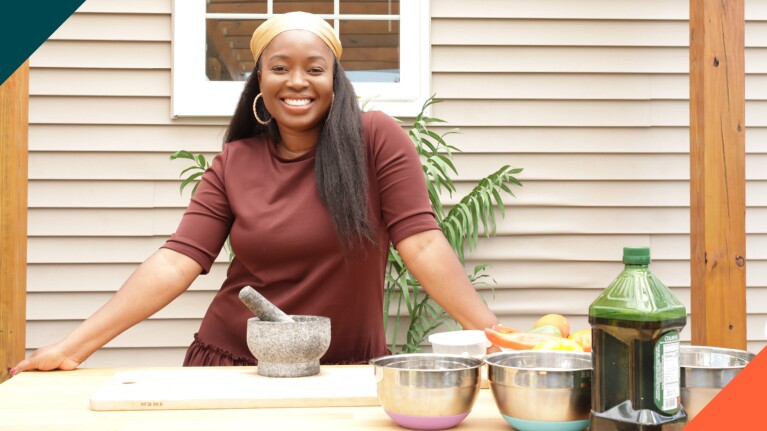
(289, 349)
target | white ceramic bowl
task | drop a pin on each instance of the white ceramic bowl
(469, 342)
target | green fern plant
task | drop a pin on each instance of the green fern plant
(461, 226)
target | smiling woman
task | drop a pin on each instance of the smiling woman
(328, 187)
(295, 74)
(311, 192)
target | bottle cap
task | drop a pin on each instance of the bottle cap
(636, 255)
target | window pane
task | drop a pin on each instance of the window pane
(370, 7)
(313, 6)
(235, 6)
(227, 52)
(371, 50)
(371, 47)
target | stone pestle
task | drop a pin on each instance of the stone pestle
(261, 307)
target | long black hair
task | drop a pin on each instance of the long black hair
(340, 163)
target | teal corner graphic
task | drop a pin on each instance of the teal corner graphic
(25, 25)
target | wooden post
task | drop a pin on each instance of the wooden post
(717, 173)
(14, 110)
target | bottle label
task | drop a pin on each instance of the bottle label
(667, 372)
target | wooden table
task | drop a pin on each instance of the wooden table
(59, 401)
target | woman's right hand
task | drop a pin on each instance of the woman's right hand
(156, 282)
(52, 357)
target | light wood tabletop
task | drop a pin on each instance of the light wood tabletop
(60, 401)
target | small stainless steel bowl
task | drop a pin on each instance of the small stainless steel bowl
(540, 389)
(427, 391)
(705, 371)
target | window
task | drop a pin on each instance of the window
(386, 50)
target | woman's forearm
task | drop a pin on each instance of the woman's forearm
(430, 259)
(152, 286)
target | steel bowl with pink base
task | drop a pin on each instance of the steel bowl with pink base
(425, 391)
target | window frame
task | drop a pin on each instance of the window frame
(193, 95)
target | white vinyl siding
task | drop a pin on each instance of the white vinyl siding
(590, 98)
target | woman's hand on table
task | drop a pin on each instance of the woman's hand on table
(152, 286)
(52, 357)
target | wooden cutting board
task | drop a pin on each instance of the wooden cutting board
(234, 388)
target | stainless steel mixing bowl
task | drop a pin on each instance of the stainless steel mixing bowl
(534, 386)
(705, 371)
(427, 391)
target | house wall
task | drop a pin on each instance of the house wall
(590, 98)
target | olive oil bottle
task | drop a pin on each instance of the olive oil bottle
(635, 326)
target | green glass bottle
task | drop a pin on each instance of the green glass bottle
(635, 326)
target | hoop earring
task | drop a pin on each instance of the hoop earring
(255, 113)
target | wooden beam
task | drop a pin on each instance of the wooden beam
(216, 35)
(245, 28)
(316, 7)
(717, 173)
(369, 54)
(347, 40)
(14, 110)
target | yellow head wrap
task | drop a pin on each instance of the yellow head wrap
(293, 21)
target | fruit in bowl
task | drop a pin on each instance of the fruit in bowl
(559, 344)
(557, 320)
(550, 332)
(547, 329)
(498, 334)
(582, 337)
(525, 340)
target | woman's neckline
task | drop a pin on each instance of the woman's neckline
(276, 154)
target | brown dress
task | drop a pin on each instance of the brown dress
(286, 248)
